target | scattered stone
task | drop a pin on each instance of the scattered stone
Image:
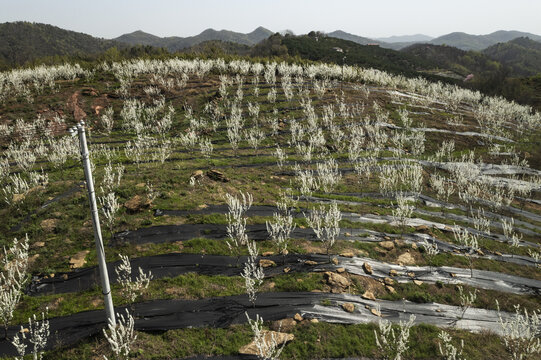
(287, 325)
(347, 234)
(298, 317)
(78, 260)
(217, 176)
(97, 109)
(388, 238)
(89, 92)
(387, 245)
(32, 259)
(368, 295)
(498, 253)
(411, 274)
(265, 263)
(390, 289)
(393, 272)
(334, 261)
(65, 277)
(375, 312)
(414, 246)
(38, 244)
(341, 270)
(314, 321)
(480, 252)
(422, 228)
(287, 269)
(347, 254)
(349, 307)
(367, 268)
(453, 274)
(418, 282)
(388, 281)
(49, 225)
(310, 262)
(55, 303)
(136, 204)
(268, 253)
(405, 259)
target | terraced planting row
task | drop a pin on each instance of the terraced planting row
(267, 211)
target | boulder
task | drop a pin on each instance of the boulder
(136, 204)
(198, 174)
(368, 295)
(18, 197)
(367, 268)
(78, 260)
(406, 259)
(49, 225)
(287, 325)
(217, 176)
(336, 280)
(349, 307)
(279, 338)
(387, 245)
(265, 263)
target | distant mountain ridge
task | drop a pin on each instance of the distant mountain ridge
(480, 42)
(175, 43)
(405, 38)
(459, 40)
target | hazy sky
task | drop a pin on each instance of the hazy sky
(370, 18)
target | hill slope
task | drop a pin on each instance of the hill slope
(323, 49)
(452, 59)
(522, 55)
(23, 41)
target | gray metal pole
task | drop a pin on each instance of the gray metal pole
(104, 276)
